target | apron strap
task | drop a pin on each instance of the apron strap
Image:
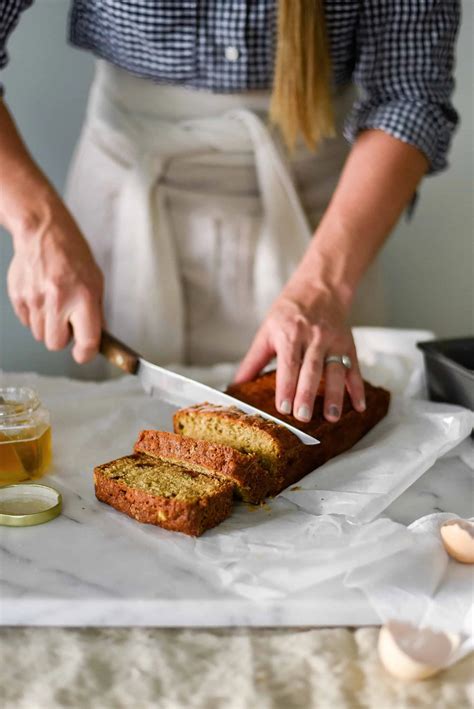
(146, 296)
(285, 231)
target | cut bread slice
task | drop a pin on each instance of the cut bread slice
(278, 450)
(250, 435)
(252, 482)
(162, 493)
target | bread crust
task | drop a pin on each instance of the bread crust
(277, 433)
(252, 482)
(191, 517)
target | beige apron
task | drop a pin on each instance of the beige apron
(194, 212)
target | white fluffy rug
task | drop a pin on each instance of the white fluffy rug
(45, 668)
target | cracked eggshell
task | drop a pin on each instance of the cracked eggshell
(458, 539)
(410, 653)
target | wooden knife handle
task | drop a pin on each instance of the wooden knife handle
(118, 354)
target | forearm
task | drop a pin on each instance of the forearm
(378, 181)
(24, 190)
(53, 281)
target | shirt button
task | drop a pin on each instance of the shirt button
(231, 54)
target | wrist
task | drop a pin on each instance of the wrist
(26, 207)
(310, 294)
(318, 278)
(332, 266)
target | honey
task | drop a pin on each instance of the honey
(25, 436)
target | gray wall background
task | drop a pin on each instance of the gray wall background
(428, 263)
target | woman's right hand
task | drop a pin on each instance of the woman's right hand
(54, 284)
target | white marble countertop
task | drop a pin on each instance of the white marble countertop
(94, 566)
(61, 574)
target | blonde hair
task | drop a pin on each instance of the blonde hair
(301, 99)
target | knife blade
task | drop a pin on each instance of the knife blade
(177, 389)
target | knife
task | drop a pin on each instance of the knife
(177, 389)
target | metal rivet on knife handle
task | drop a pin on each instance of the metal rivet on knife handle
(118, 354)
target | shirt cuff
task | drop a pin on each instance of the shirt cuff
(429, 127)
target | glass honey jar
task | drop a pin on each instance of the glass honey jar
(25, 436)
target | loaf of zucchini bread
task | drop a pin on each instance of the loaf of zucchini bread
(278, 450)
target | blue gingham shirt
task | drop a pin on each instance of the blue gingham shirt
(400, 53)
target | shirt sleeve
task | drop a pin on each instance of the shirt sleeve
(404, 71)
(10, 11)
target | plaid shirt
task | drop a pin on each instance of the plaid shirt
(400, 53)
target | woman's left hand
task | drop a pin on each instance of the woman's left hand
(308, 321)
(302, 337)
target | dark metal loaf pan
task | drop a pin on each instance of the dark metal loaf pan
(449, 368)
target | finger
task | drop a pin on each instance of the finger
(86, 321)
(335, 384)
(355, 385)
(56, 331)
(289, 354)
(308, 382)
(36, 318)
(259, 354)
(22, 312)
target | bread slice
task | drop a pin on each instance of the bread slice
(278, 450)
(162, 493)
(268, 442)
(251, 481)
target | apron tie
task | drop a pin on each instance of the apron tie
(146, 302)
(285, 231)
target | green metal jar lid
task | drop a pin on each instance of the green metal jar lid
(26, 504)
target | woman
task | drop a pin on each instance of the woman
(195, 210)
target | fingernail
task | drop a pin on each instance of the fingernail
(333, 411)
(362, 405)
(285, 407)
(304, 413)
